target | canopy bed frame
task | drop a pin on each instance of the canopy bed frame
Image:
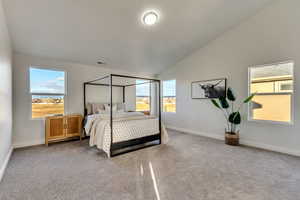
(118, 148)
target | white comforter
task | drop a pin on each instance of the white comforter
(126, 126)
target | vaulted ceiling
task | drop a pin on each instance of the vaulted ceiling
(85, 31)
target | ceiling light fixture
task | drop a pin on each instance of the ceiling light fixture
(100, 62)
(150, 18)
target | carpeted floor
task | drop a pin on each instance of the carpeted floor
(189, 167)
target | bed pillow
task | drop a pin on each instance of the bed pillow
(103, 112)
(97, 108)
(121, 106)
(89, 108)
(107, 107)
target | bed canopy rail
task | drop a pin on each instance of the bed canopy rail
(118, 148)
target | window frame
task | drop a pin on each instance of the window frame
(46, 94)
(250, 117)
(174, 96)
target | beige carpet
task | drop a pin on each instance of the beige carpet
(189, 167)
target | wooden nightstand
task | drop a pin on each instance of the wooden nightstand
(61, 128)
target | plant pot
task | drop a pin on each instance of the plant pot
(232, 139)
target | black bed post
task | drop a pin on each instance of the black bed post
(111, 116)
(159, 109)
(123, 94)
(84, 100)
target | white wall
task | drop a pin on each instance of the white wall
(30, 132)
(270, 36)
(5, 93)
(101, 94)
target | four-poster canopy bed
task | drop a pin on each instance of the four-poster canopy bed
(122, 131)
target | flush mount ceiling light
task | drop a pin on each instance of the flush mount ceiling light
(100, 62)
(150, 18)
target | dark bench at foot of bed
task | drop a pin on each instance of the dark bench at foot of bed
(133, 145)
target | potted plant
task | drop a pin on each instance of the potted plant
(232, 115)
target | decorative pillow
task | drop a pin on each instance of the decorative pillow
(97, 107)
(114, 107)
(89, 108)
(102, 112)
(121, 106)
(107, 107)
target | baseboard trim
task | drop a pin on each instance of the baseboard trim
(269, 147)
(28, 144)
(242, 141)
(209, 135)
(4, 166)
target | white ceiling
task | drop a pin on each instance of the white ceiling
(87, 30)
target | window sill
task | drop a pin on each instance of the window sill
(38, 119)
(44, 118)
(271, 122)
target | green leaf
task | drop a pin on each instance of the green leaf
(235, 118)
(223, 102)
(230, 95)
(215, 103)
(249, 98)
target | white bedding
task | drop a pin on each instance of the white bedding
(126, 126)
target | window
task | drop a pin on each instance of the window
(273, 85)
(169, 96)
(47, 89)
(142, 95)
